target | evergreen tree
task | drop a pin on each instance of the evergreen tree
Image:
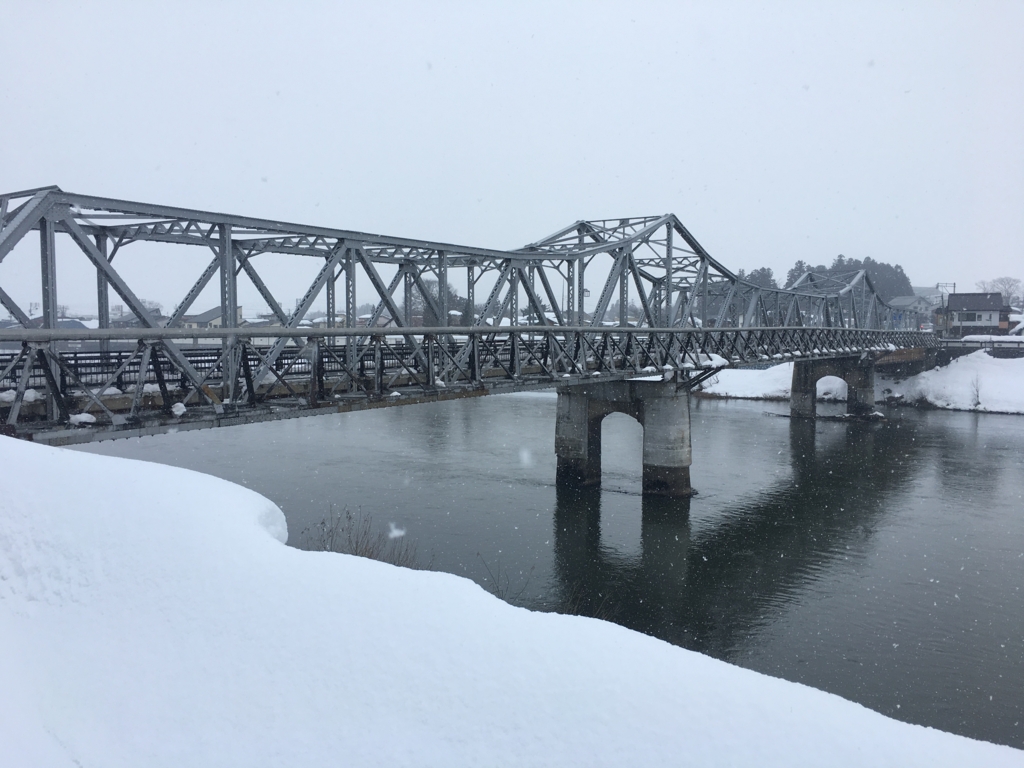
(796, 272)
(889, 280)
(762, 277)
(468, 310)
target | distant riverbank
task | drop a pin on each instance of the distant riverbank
(976, 382)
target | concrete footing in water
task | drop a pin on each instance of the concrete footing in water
(858, 374)
(661, 408)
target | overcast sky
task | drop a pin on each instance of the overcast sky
(776, 132)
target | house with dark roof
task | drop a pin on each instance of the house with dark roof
(208, 319)
(968, 314)
(914, 311)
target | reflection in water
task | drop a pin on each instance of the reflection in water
(745, 586)
(709, 592)
(646, 593)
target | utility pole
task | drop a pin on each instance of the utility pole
(942, 302)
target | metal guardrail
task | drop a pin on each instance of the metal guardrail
(1000, 342)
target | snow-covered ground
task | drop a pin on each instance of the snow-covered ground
(768, 384)
(975, 382)
(153, 616)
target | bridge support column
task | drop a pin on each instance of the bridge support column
(860, 388)
(804, 391)
(667, 456)
(577, 439)
(664, 412)
(858, 374)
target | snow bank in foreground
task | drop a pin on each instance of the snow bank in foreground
(976, 382)
(152, 616)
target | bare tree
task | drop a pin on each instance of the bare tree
(1008, 286)
(356, 534)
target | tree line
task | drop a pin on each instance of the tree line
(889, 280)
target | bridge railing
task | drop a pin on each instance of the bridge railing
(119, 377)
(988, 342)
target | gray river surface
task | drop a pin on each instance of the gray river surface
(882, 562)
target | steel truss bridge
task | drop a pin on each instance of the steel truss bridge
(693, 317)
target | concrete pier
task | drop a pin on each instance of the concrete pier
(859, 375)
(662, 410)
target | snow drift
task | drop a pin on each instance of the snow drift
(153, 616)
(975, 382)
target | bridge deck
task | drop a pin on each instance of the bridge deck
(134, 387)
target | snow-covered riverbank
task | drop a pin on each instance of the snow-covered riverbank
(153, 616)
(975, 382)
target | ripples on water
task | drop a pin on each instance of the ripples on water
(882, 562)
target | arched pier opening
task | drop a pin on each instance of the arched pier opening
(661, 407)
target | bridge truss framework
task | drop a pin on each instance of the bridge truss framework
(695, 316)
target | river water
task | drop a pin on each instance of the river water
(882, 562)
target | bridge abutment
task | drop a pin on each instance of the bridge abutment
(662, 410)
(859, 375)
